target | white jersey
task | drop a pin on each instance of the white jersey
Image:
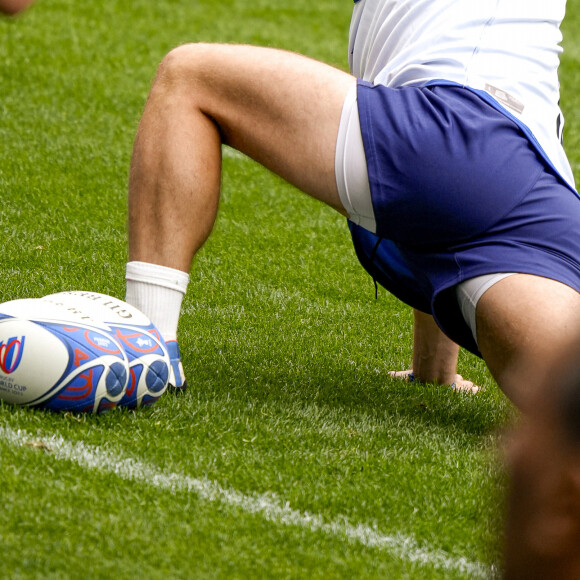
(508, 48)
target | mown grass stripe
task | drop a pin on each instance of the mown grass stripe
(266, 505)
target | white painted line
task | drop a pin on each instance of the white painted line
(267, 505)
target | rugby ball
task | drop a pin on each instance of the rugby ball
(138, 336)
(58, 360)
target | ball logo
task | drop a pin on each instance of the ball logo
(101, 342)
(11, 354)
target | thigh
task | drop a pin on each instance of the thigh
(280, 108)
(528, 328)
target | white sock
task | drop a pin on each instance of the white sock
(158, 292)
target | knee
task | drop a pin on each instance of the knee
(183, 65)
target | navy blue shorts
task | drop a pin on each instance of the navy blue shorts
(458, 191)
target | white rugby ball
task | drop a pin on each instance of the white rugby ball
(145, 348)
(53, 358)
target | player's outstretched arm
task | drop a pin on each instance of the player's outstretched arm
(434, 356)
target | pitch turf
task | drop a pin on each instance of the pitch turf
(293, 454)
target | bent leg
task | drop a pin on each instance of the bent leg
(527, 328)
(279, 108)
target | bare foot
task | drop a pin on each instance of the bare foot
(461, 384)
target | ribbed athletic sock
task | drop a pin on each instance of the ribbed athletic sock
(158, 292)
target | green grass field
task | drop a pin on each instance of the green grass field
(293, 454)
